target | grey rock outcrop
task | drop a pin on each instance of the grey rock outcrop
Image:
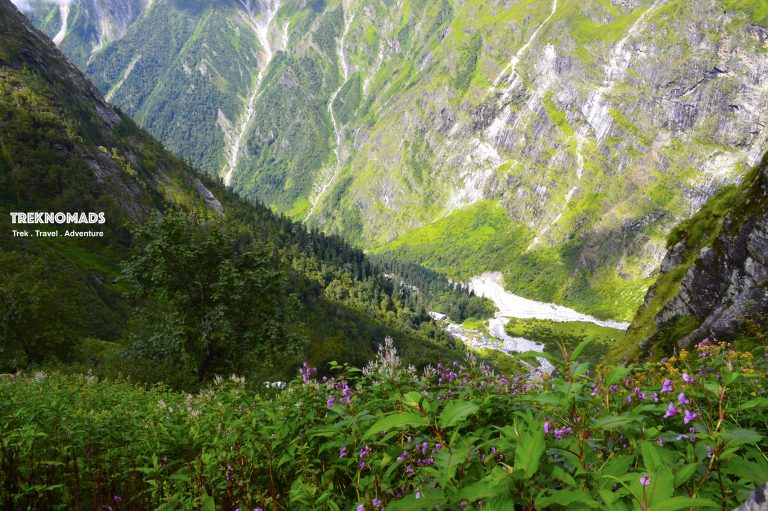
(758, 501)
(727, 283)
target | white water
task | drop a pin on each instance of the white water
(64, 13)
(597, 110)
(260, 27)
(489, 285)
(511, 68)
(336, 128)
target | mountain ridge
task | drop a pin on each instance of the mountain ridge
(374, 120)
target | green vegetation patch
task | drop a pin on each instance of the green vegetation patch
(555, 335)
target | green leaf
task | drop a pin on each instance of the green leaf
(614, 421)
(741, 436)
(448, 461)
(529, 450)
(618, 373)
(456, 412)
(578, 349)
(396, 420)
(651, 455)
(676, 503)
(566, 498)
(207, 503)
(411, 503)
(412, 399)
(758, 403)
(488, 487)
(685, 473)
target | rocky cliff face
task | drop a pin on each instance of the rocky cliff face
(83, 28)
(595, 125)
(715, 276)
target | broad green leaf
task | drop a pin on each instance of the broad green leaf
(449, 460)
(757, 403)
(618, 373)
(566, 498)
(207, 503)
(651, 455)
(397, 420)
(685, 473)
(614, 421)
(490, 486)
(578, 349)
(562, 475)
(676, 503)
(529, 450)
(412, 399)
(426, 500)
(741, 436)
(456, 412)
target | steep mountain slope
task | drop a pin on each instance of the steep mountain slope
(714, 276)
(595, 125)
(63, 148)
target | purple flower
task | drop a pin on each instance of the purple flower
(402, 456)
(330, 401)
(655, 397)
(681, 399)
(343, 451)
(709, 452)
(660, 442)
(671, 411)
(118, 498)
(409, 469)
(613, 388)
(629, 399)
(688, 379)
(418, 493)
(376, 502)
(645, 480)
(361, 507)
(690, 416)
(667, 387)
(547, 427)
(563, 432)
(306, 372)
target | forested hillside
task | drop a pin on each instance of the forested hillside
(186, 276)
(574, 135)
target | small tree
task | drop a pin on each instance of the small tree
(214, 297)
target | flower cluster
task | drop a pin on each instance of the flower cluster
(307, 372)
(419, 454)
(339, 391)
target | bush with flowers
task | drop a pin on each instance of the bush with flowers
(686, 434)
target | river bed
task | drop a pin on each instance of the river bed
(490, 285)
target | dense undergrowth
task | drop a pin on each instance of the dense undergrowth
(683, 435)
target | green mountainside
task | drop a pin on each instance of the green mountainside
(185, 271)
(595, 126)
